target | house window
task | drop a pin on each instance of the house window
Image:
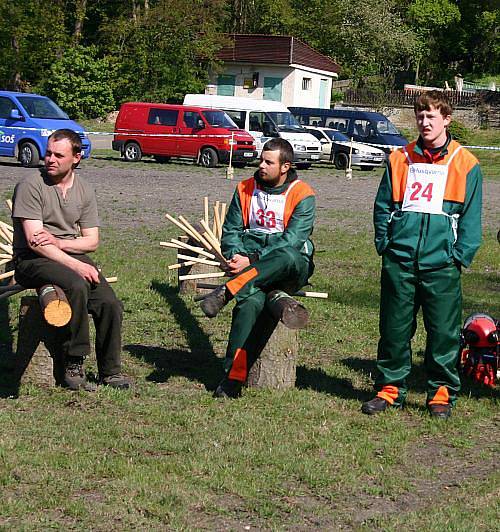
(306, 84)
(225, 85)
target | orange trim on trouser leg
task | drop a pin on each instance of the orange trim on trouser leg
(236, 284)
(389, 393)
(238, 370)
(441, 397)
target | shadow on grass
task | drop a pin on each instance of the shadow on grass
(9, 381)
(199, 363)
(318, 380)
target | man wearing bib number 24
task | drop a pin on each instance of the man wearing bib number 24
(266, 239)
(427, 219)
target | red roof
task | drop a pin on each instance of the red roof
(274, 49)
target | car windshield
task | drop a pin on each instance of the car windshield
(386, 128)
(219, 119)
(285, 121)
(42, 107)
(336, 135)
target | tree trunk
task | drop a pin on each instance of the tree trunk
(276, 367)
(81, 11)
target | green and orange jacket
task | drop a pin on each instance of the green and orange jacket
(426, 241)
(300, 213)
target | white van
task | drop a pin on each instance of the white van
(264, 119)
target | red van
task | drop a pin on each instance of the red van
(164, 131)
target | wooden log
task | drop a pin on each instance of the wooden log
(36, 350)
(190, 286)
(285, 308)
(177, 244)
(205, 208)
(201, 238)
(276, 366)
(6, 275)
(54, 304)
(196, 259)
(202, 276)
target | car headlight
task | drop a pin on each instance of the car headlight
(299, 147)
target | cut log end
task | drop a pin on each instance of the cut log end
(57, 313)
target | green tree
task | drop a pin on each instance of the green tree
(430, 19)
(166, 51)
(81, 82)
(32, 34)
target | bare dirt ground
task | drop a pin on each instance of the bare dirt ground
(134, 194)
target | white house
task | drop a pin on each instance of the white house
(271, 67)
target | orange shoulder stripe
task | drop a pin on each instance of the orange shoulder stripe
(300, 191)
(245, 191)
(461, 165)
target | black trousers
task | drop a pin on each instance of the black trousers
(33, 271)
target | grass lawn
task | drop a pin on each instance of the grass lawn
(167, 456)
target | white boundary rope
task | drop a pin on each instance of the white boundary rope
(47, 132)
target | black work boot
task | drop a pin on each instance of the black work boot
(118, 380)
(374, 406)
(214, 302)
(228, 389)
(440, 411)
(74, 377)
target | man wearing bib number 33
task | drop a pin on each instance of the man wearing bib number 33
(266, 239)
(427, 218)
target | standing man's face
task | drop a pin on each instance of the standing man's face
(432, 125)
(271, 170)
(59, 159)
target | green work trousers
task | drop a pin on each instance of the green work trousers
(403, 292)
(252, 325)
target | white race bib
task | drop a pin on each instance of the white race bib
(425, 186)
(267, 211)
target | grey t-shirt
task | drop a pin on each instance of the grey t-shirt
(37, 198)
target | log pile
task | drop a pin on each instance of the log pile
(204, 247)
(6, 251)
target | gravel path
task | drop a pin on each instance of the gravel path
(141, 193)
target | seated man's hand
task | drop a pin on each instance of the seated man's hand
(44, 238)
(238, 263)
(87, 271)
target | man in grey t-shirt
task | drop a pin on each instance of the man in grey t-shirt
(55, 226)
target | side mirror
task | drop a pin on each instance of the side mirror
(16, 115)
(200, 124)
(323, 141)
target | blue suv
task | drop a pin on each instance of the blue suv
(26, 121)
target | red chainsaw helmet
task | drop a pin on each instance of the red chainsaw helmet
(480, 330)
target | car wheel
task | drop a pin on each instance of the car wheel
(132, 152)
(341, 161)
(28, 155)
(367, 168)
(303, 166)
(208, 158)
(161, 159)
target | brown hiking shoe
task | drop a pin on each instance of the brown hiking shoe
(118, 380)
(74, 377)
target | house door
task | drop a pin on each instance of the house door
(323, 85)
(225, 85)
(272, 89)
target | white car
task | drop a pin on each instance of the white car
(336, 147)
